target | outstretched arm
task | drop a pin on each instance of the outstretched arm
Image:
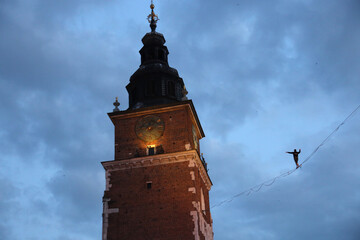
(290, 152)
(299, 150)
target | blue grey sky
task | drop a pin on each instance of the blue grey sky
(265, 77)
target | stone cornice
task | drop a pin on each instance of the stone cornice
(159, 109)
(159, 159)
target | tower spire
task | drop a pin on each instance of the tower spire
(155, 82)
(152, 17)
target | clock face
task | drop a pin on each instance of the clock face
(195, 139)
(150, 128)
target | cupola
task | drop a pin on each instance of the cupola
(155, 82)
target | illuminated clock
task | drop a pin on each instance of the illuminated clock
(149, 128)
(195, 139)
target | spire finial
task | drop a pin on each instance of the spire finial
(152, 18)
(116, 104)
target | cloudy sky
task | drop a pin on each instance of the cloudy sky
(265, 77)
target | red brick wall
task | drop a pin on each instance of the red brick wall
(201, 185)
(162, 212)
(178, 132)
(159, 213)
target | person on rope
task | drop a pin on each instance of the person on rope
(296, 156)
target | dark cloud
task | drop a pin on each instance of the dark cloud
(265, 77)
(310, 202)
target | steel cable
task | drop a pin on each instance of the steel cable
(272, 180)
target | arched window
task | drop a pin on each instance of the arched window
(171, 89)
(133, 95)
(202, 202)
(150, 88)
(161, 54)
(150, 54)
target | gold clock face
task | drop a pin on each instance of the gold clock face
(150, 128)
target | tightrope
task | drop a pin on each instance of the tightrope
(271, 181)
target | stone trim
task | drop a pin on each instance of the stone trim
(194, 215)
(192, 156)
(192, 189)
(105, 215)
(200, 223)
(192, 174)
(107, 179)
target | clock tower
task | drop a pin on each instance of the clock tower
(157, 187)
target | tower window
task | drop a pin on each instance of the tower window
(150, 54)
(171, 89)
(133, 95)
(161, 54)
(150, 88)
(148, 185)
(151, 150)
(202, 202)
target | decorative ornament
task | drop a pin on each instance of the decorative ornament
(116, 104)
(152, 18)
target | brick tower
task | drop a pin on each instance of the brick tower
(157, 187)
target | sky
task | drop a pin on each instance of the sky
(265, 77)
